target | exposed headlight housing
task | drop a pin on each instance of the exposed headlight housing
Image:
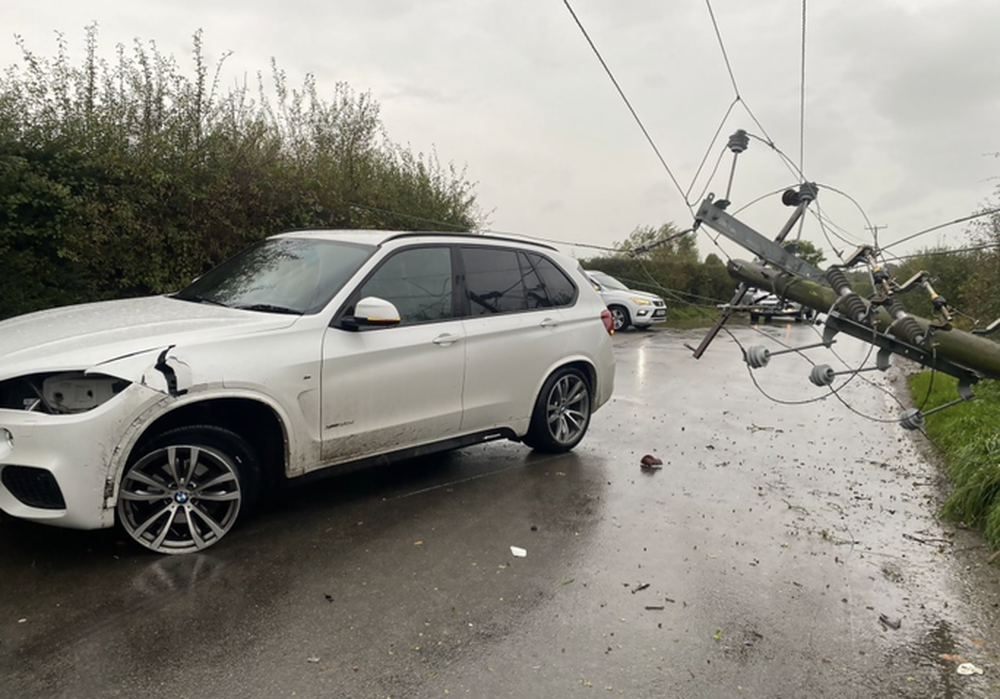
(59, 393)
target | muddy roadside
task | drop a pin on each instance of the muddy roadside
(967, 546)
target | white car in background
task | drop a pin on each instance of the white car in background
(307, 351)
(764, 305)
(628, 306)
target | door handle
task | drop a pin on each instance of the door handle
(446, 339)
(549, 323)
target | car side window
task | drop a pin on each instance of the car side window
(557, 288)
(494, 281)
(506, 281)
(417, 281)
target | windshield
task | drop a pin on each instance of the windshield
(608, 281)
(280, 275)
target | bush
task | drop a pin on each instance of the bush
(128, 178)
(969, 436)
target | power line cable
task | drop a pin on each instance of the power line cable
(715, 169)
(463, 229)
(802, 96)
(936, 253)
(708, 151)
(628, 104)
(766, 140)
(988, 212)
(722, 45)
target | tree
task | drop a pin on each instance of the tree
(660, 243)
(982, 288)
(806, 250)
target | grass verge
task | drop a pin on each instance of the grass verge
(969, 436)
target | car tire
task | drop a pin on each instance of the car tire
(620, 319)
(562, 412)
(184, 490)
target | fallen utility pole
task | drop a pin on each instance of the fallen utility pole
(879, 318)
(956, 352)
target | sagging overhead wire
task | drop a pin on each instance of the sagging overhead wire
(628, 104)
(971, 217)
(737, 99)
(462, 229)
(938, 253)
(802, 96)
(708, 152)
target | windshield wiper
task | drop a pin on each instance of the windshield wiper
(269, 308)
(199, 299)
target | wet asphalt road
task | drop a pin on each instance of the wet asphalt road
(781, 551)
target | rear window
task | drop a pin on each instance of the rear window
(501, 280)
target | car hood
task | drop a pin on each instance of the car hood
(78, 337)
(641, 295)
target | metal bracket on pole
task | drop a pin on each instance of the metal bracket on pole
(712, 215)
(746, 237)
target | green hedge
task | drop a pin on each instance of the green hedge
(132, 177)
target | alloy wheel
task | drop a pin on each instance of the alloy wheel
(567, 409)
(180, 498)
(618, 319)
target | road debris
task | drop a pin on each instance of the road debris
(640, 587)
(889, 623)
(518, 551)
(650, 463)
(927, 540)
(968, 669)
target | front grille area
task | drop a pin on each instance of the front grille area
(35, 487)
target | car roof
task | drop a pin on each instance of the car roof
(380, 237)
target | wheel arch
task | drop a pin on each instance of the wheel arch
(257, 422)
(585, 367)
(539, 434)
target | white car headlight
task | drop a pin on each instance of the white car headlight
(641, 302)
(6, 442)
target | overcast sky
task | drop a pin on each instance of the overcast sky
(902, 97)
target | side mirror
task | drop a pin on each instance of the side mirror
(371, 311)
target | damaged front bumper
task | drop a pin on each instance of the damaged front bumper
(61, 441)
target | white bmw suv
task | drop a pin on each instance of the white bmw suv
(307, 351)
